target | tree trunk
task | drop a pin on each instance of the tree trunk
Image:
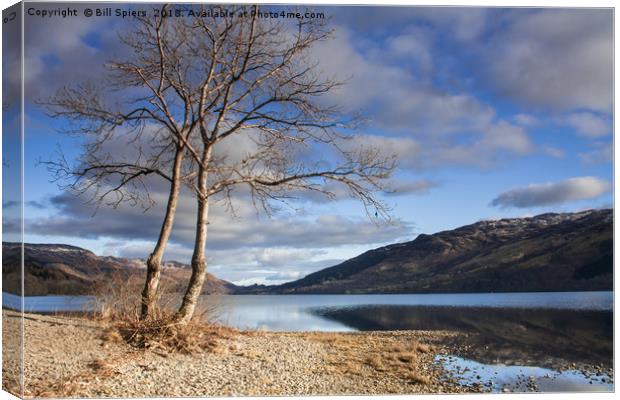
(199, 267)
(199, 261)
(153, 263)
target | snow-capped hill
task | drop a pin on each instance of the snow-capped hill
(548, 252)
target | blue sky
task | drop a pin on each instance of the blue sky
(492, 113)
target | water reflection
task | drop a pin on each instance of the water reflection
(542, 329)
(547, 338)
(525, 330)
(502, 378)
(273, 313)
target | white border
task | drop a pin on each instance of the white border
(476, 3)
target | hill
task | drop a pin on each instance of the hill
(549, 252)
(63, 269)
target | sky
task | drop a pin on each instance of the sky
(491, 113)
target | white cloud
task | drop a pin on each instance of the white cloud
(536, 195)
(413, 48)
(426, 123)
(464, 23)
(58, 54)
(248, 247)
(601, 153)
(589, 124)
(554, 152)
(141, 249)
(560, 59)
(495, 140)
(507, 137)
(392, 96)
(247, 229)
(525, 120)
(407, 150)
(277, 256)
(415, 187)
(242, 268)
(272, 265)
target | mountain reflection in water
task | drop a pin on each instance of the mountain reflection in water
(543, 337)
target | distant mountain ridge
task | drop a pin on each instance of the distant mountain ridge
(70, 270)
(548, 252)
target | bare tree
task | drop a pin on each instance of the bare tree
(149, 100)
(205, 83)
(267, 88)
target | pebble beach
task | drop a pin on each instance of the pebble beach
(74, 357)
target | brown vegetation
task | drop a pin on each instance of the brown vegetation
(356, 354)
(117, 306)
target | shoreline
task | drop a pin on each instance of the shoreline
(62, 349)
(75, 356)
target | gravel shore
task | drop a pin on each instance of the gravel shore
(72, 357)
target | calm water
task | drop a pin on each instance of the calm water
(520, 378)
(316, 312)
(509, 336)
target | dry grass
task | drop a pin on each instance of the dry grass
(417, 378)
(360, 354)
(352, 368)
(117, 306)
(101, 364)
(78, 385)
(335, 339)
(160, 332)
(423, 348)
(375, 362)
